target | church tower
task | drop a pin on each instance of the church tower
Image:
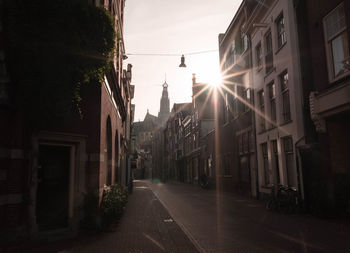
(164, 105)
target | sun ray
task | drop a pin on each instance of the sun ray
(257, 111)
(206, 86)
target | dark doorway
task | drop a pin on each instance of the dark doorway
(53, 186)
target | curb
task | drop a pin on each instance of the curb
(182, 226)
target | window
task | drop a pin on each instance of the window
(268, 52)
(275, 160)
(258, 55)
(289, 159)
(272, 97)
(227, 107)
(227, 165)
(247, 98)
(286, 116)
(281, 33)
(116, 157)
(251, 141)
(230, 59)
(109, 152)
(337, 44)
(245, 141)
(244, 169)
(210, 164)
(266, 163)
(240, 144)
(234, 106)
(262, 110)
(238, 45)
(244, 39)
(110, 5)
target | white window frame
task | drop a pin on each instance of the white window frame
(261, 103)
(259, 57)
(272, 102)
(281, 33)
(268, 65)
(330, 65)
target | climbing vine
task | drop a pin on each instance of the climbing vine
(54, 48)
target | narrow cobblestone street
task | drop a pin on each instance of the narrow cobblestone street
(177, 217)
(145, 227)
(228, 223)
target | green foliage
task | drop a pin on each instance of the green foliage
(54, 48)
(97, 218)
(113, 204)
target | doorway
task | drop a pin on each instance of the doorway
(53, 187)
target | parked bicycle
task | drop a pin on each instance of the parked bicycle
(284, 199)
(204, 181)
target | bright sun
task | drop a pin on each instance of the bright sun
(214, 78)
(211, 75)
(207, 69)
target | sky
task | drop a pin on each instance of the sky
(173, 27)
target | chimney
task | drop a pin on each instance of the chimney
(221, 37)
(128, 73)
(193, 78)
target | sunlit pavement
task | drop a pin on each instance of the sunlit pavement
(227, 223)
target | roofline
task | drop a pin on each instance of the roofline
(232, 21)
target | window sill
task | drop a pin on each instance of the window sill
(262, 131)
(273, 69)
(338, 79)
(245, 112)
(268, 187)
(286, 122)
(271, 128)
(280, 48)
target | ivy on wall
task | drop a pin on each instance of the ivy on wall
(54, 48)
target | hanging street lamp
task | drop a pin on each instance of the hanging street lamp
(182, 64)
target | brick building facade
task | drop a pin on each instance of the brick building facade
(44, 174)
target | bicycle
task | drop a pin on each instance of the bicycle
(204, 181)
(285, 200)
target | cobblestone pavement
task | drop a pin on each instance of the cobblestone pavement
(146, 227)
(227, 223)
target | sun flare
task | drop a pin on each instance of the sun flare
(212, 77)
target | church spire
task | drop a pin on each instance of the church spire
(164, 104)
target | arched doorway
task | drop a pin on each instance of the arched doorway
(116, 158)
(109, 151)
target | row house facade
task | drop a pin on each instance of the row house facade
(277, 94)
(236, 153)
(261, 107)
(45, 174)
(149, 137)
(142, 133)
(174, 146)
(158, 155)
(196, 126)
(285, 102)
(177, 147)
